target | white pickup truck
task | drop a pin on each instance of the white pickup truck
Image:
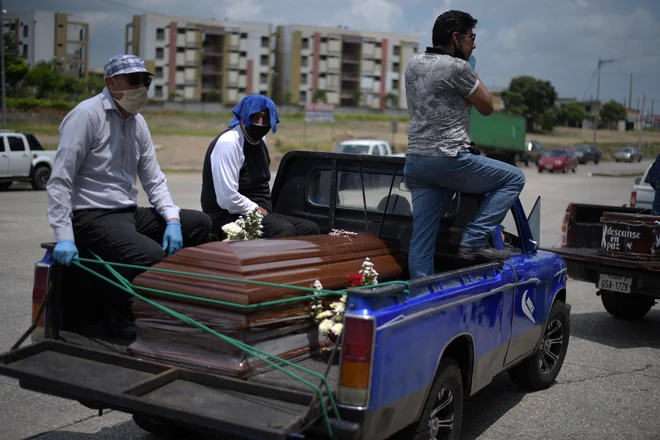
(23, 159)
(371, 147)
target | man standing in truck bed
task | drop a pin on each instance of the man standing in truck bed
(441, 88)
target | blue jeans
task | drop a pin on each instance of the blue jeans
(433, 180)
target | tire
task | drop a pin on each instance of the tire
(4, 186)
(161, 428)
(540, 170)
(626, 306)
(446, 390)
(40, 177)
(540, 370)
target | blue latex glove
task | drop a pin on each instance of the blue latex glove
(173, 238)
(473, 63)
(65, 252)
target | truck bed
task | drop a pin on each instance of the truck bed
(269, 407)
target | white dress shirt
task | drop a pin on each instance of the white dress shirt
(99, 158)
(227, 160)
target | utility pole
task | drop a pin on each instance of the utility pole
(630, 93)
(641, 123)
(2, 66)
(600, 63)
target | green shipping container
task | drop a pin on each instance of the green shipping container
(498, 132)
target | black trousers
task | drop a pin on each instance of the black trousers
(132, 236)
(274, 225)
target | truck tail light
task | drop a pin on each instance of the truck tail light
(356, 361)
(40, 287)
(566, 232)
(633, 199)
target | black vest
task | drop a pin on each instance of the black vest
(253, 180)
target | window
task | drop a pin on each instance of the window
(263, 78)
(263, 92)
(265, 42)
(160, 53)
(25, 31)
(160, 34)
(244, 36)
(303, 96)
(264, 60)
(242, 54)
(511, 236)
(158, 92)
(159, 72)
(25, 51)
(304, 61)
(15, 143)
(396, 50)
(181, 30)
(395, 67)
(305, 43)
(349, 192)
(181, 50)
(303, 78)
(33, 142)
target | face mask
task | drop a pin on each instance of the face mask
(255, 132)
(133, 99)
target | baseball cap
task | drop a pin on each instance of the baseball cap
(125, 64)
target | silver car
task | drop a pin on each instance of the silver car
(628, 154)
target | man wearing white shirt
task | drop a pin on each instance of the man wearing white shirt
(236, 173)
(105, 146)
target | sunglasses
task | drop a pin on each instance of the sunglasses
(471, 36)
(137, 79)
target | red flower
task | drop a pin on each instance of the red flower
(354, 280)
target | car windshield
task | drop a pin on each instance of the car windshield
(352, 148)
(555, 153)
(627, 150)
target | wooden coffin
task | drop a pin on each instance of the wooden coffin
(630, 236)
(283, 330)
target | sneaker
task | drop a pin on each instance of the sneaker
(485, 253)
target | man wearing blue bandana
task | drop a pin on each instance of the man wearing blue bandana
(236, 174)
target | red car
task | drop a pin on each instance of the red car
(558, 159)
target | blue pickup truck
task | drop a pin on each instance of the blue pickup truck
(410, 354)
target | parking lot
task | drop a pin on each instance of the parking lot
(609, 387)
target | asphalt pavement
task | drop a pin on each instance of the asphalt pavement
(609, 387)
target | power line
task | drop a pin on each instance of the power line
(116, 3)
(584, 95)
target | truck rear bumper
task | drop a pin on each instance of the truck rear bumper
(586, 265)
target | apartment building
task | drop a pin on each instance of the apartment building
(51, 36)
(341, 66)
(203, 60)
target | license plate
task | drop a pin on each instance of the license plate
(614, 283)
(548, 166)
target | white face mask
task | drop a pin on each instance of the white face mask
(133, 99)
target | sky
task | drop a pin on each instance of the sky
(556, 40)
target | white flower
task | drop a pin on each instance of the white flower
(337, 328)
(343, 299)
(232, 229)
(325, 326)
(318, 285)
(338, 307)
(324, 315)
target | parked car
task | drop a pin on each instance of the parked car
(558, 159)
(586, 153)
(628, 154)
(372, 147)
(23, 159)
(642, 193)
(533, 152)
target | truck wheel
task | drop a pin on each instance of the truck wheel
(161, 428)
(443, 412)
(40, 177)
(4, 186)
(626, 306)
(541, 369)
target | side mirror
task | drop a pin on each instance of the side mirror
(638, 180)
(534, 222)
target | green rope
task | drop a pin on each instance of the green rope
(125, 285)
(316, 293)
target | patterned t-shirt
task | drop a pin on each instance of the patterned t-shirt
(437, 88)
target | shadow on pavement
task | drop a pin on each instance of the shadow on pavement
(485, 408)
(124, 431)
(603, 328)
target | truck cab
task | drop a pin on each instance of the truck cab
(372, 147)
(23, 159)
(410, 353)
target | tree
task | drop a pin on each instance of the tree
(15, 66)
(45, 79)
(575, 113)
(320, 95)
(612, 112)
(529, 97)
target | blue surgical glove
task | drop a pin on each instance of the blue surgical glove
(173, 238)
(473, 63)
(65, 252)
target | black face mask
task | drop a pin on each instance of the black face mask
(256, 131)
